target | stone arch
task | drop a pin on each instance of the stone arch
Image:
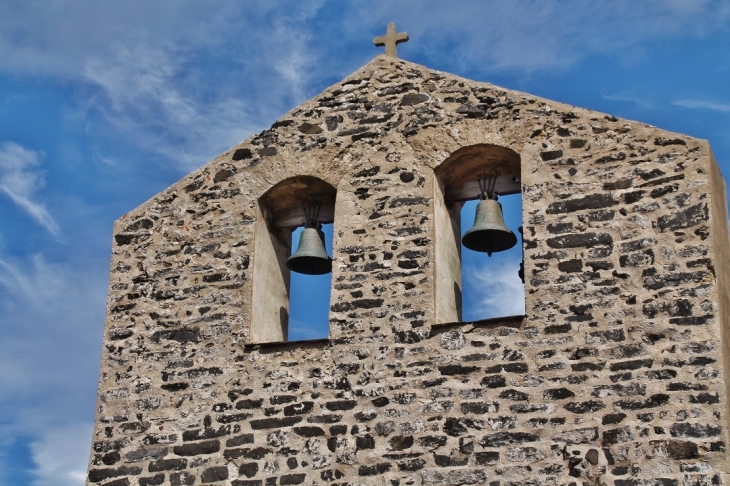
(279, 212)
(455, 182)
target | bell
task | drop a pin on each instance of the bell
(489, 233)
(311, 257)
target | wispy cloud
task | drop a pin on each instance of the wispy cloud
(494, 290)
(21, 179)
(51, 316)
(695, 104)
(630, 97)
(534, 35)
(62, 454)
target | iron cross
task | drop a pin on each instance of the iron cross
(390, 40)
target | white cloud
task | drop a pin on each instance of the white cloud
(62, 455)
(52, 320)
(630, 97)
(535, 35)
(696, 104)
(493, 290)
(20, 180)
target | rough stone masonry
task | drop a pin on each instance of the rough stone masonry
(616, 375)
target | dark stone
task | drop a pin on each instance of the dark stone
(365, 416)
(309, 128)
(381, 401)
(212, 474)
(240, 440)
(282, 399)
(682, 449)
(206, 433)
(182, 479)
(478, 408)
(557, 394)
(585, 407)
(365, 442)
(242, 153)
(594, 201)
(341, 405)
(486, 458)
(97, 475)
(333, 121)
(456, 369)
(206, 447)
(413, 99)
(616, 436)
(704, 398)
(180, 335)
(611, 158)
(586, 240)
(236, 417)
(638, 404)
(661, 374)
(470, 111)
(619, 184)
(309, 431)
(274, 423)
(587, 366)
(267, 151)
(551, 155)
(571, 266)
(357, 304)
(494, 381)
(374, 470)
(298, 408)
(558, 329)
(292, 479)
(697, 431)
(454, 427)
(155, 480)
(223, 175)
(173, 387)
(507, 438)
(401, 442)
(432, 441)
(248, 469)
(168, 465)
(632, 365)
(514, 395)
(663, 142)
(613, 418)
(249, 403)
(411, 465)
(324, 419)
(257, 453)
(687, 218)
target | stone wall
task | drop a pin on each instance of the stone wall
(614, 376)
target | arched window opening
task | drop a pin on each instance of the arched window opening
(309, 296)
(287, 305)
(471, 285)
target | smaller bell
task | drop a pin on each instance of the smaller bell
(311, 257)
(489, 233)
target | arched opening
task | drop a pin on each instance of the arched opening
(282, 305)
(470, 285)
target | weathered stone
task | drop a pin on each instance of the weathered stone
(613, 375)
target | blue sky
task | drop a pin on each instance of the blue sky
(104, 104)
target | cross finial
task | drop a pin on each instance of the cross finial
(390, 40)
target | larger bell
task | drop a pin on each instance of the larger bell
(489, 233)
(311, 257)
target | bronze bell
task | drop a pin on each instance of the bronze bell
(489, 233)
(311, 257)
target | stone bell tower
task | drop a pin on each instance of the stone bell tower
(617, 373)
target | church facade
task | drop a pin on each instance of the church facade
(616, 374)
